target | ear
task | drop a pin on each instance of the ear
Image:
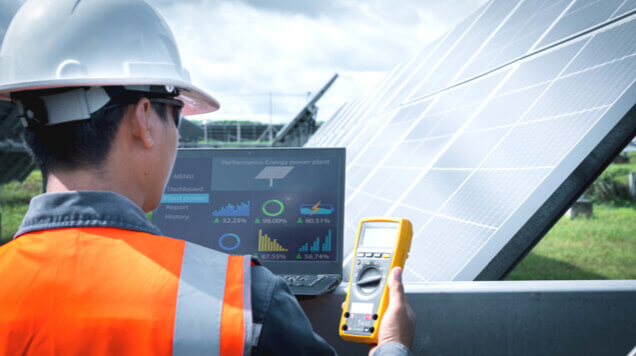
(142, 126)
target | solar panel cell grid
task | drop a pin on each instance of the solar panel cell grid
(517, 35)
(542, 143)
(501, 108)
(402, 153)
(489, 197)
(467, 47)
(471, 163)
(343, 124)
(627, 6)
(399, 178)
(440, 53)
(371, 206)
(581, 16)
(609, 46)
(420, 68)
(378, 181)
(364, 116)
(427, 150)
(464, 153)
(579, 91)
(364, 135)
(375, 207)
(358, 174)
(541, 68)
(443, 246)
(433, 189)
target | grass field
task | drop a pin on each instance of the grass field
(15, 200)
(603, 247)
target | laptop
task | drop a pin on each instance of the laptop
(284, 206)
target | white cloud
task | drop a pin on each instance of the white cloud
(8, 8)
(241, 50)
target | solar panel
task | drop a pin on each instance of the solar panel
(486, 137)
(15, 162)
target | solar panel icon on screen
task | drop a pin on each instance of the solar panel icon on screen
(273, 172)
(485, 137)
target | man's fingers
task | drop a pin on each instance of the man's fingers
(396, 288)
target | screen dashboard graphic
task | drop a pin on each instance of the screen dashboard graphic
(273, 208)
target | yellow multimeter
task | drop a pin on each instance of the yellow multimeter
(382, 243)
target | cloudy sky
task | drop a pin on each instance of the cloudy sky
(241, 50)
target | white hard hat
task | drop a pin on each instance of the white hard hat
(94, 43)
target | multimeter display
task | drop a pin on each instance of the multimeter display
(382, 243)
(379, 234)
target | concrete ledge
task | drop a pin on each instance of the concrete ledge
(505, 318)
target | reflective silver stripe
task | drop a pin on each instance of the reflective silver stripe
(247, 306)
(197, 324)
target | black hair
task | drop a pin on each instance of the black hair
(79, 144)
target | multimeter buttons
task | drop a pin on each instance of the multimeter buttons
(369, 280)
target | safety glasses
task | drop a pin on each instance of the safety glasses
(177, 105)
(128, 98)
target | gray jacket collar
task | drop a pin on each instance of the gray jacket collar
(84, 209)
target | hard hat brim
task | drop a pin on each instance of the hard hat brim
(195, 100)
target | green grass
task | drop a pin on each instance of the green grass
(603, 247)
(612, 186)
(11, 218)
(21, 193)
(15, 201)
(623, 169)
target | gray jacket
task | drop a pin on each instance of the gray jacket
(281, 327)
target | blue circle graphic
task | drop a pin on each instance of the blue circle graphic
(230, 248)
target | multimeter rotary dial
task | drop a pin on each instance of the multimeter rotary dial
(369, 280)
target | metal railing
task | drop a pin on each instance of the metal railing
(505, 318)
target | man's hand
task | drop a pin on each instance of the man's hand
(398, 322)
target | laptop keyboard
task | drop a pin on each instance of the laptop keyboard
(302, 280)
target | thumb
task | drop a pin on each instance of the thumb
(396, 288)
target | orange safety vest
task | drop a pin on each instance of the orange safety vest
(111, 291)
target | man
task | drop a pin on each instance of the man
(100, 86)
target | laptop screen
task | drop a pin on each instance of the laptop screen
(283, 206)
